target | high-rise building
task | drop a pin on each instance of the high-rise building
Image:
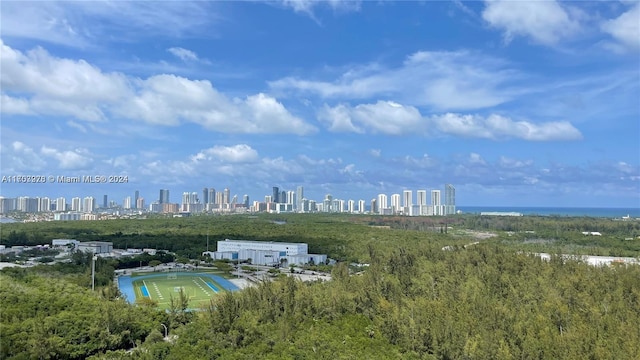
(422, 202)
(276, 194)
(61, 204)
(291, 197)
(351, 206)
(449, 199)
(212, 196)
(299, 198)
(383, 203)
(219, 199)
(7, 205)
(140, 203)
(327, 202)
(245, 201)
(88, 204)
(184, 206)
(374, 206)
(193, 198)
(76, 204)
(27, 204)
(227, 196)
(44, 204)
(435, 202)
(105, 204)
(126, 203)
(205, 196)
(395, 203)
(164, 196)
(136, 196)
(407, 202)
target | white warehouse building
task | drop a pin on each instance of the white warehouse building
(265, 252)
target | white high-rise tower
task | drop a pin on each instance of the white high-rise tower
(435, 202)
(449, 199)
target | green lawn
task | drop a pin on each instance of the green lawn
(161, 288)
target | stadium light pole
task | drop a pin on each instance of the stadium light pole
(93, 273)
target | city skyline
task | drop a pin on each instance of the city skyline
(191, 198)
(351, 98)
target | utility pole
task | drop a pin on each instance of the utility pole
(93, 272)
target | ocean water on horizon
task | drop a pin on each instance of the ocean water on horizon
(556, 211)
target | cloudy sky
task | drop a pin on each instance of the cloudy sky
(516, 103)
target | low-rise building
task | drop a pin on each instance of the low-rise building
(265, 252)
(96, 247)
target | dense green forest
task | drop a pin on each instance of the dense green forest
(341, 236)
(413, 301)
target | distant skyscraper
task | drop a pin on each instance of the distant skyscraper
(291, 197)
(76, 204)
(61, 204)
(7, 205)
(89, 204)
(449, 199)
(105, 203)
(299, 198)
(361, 206)
(164, 196)
(374, 206)
(382, 203)
(407, 202)
(126, 203)
(27, 204)
(422, 202)
(140, 203)
(219, 199)
(136, 196)
(205, 196)
(212, 196)
(435, 202)
(227, 196)
(395, 203)
(184, 205)
(327, 202)
(351, 206)
(435, 197)
(276, 194)
(44, 204)
(245, 201)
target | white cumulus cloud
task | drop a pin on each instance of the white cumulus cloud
(68, 159)
(501, 127)
(391, 118)
(386, 117)
(240, 153)
(625, 29)
(442, 80)
(546, 22)
(183, 54)
(56, 86)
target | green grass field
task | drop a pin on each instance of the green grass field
(161, 288)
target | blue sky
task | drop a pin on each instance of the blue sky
(516, 103)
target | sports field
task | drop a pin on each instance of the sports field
(161, 287)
